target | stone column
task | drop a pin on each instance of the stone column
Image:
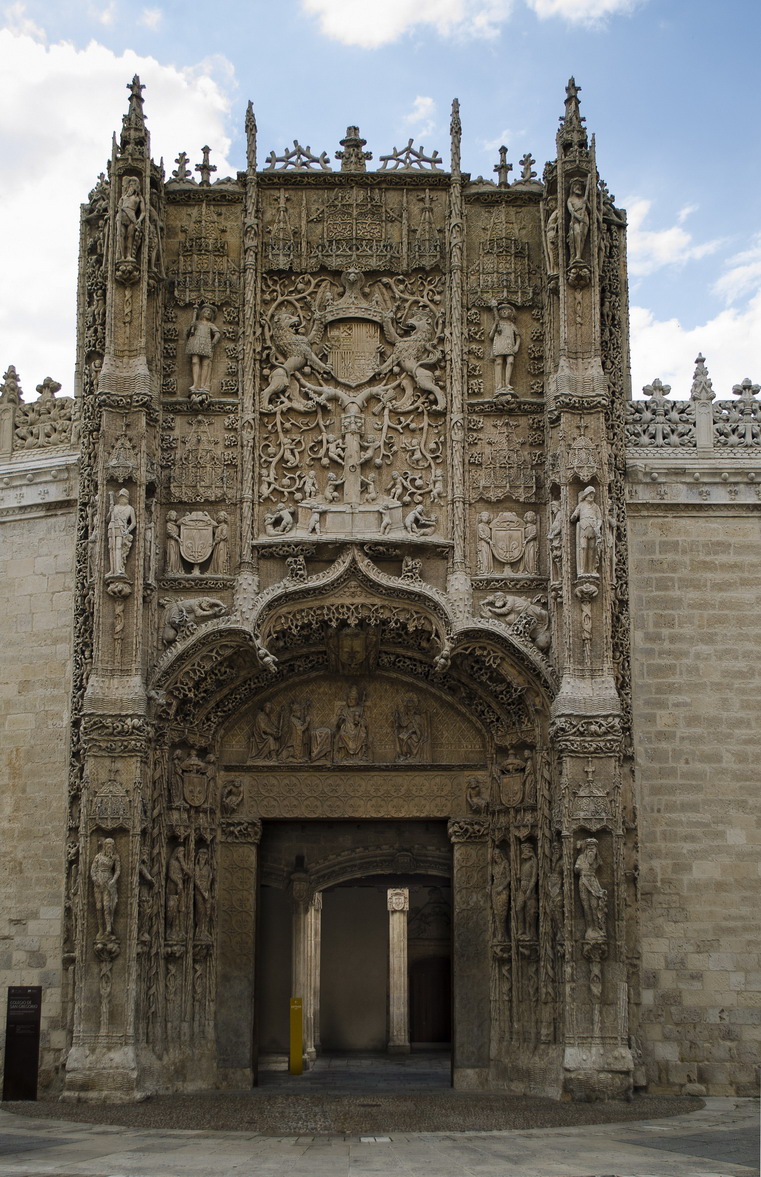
(302, 960)
(398, 987)
(238, 893)
(316, 943)
(471, 950)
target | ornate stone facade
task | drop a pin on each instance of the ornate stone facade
(351, 545)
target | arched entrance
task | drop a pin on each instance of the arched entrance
(346, 914)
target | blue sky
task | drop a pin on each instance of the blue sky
(670, 89)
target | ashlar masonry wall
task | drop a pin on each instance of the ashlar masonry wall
(695, 566)
(37, 573)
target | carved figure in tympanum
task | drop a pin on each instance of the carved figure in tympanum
(104, 873)
(350, 741)
(411, 730)
(265, 738)
(295, 739)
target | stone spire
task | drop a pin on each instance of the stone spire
(572, 135)
(134, 137)
(702, 388)
(250, 138)
(455, 131)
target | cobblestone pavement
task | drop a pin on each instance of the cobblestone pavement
(719, 1140)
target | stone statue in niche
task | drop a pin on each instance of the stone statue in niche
(505, 342)
(526, 901)
(104, 873)
(122, 522)
(202, 338)
(592, 895)
(220, 556)
(578, 219)
(202, 895)
(177, 874)
(588, 519)
(555, 540)
(530, 559)
(130, 216)
(555, 886)
(551, 236)
(295, 739)
(350, 741)
(484, 555)
(500, 892)
(411, 730)
(529, 778)
(265, 738)
(172, 561)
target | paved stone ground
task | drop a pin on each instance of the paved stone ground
(719, 1140)
(300, 1134)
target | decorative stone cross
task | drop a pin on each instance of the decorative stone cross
(503, 168)
(205, 168)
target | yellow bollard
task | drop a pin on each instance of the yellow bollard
(297, 1037)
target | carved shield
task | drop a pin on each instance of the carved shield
(196, 537)
(194, 786)
(353, 349)
(507, 538)
(511, 783)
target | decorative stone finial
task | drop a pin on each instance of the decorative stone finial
(455, 131)
(353, 157)
(134, 138)
(10, 389)
(572, 136)
(702, 388)
(250, 137)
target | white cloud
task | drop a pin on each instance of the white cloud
(106, 16)
(58, 109)
(369, 24)
(730, 343)
(500, 140)
(743, 275)
(151, 18)
(17, 22)
(586, 12)
(651, 249)
(422, 116)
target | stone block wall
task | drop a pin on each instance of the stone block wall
(696, 600)
(37, 574)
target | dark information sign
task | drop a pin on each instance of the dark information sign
(22, 1041)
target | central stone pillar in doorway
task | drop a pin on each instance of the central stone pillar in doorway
(398, 987)
(305, 960)
(471, 948)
